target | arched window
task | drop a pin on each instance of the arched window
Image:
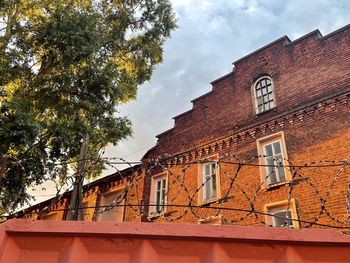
(264, 94)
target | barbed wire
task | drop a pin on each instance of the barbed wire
(194, 206)
(312, 194)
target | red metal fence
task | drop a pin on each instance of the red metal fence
(93, 242)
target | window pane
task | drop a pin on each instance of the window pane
(270, 161)
(158, 198)
(281, 170)
(277, 147)
(264, 88)
(159, 202)
(259, 101)
(160, 194)
(283, 219)
(279, 220)
(271, 170)
(213, 180)
(271, 175)
(162, 200)
(207, 170)
(213, 168)
(112, 213)
(268, 150)
(207, 189)
(281, 174)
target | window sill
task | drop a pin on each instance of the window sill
(266, 111)
(289, 181)
(294, 227)
(276, 185)
(210, 201)
(154, 215)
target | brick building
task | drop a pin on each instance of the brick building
(105, 199)
(285, 104)
(267, 145)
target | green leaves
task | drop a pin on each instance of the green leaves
(64, 68)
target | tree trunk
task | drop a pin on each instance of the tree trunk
(3, 166)
(75, 210)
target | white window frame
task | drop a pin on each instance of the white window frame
(282, 206)
(257, 96)
(281, 163)
(118, 193)
(213, 220)
(203, 182)
(154, 204)
(210, 183)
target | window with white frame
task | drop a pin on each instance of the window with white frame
(282, 218)
(274, 161)
(158, 194)
(264, 94)
(112, 207)
(209, 181)
(281, 214)
(273, 155)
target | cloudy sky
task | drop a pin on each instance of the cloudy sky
(211, 35)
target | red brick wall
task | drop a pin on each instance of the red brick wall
(323, 135)
(302, 71)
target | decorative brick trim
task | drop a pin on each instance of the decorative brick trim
(280, 123)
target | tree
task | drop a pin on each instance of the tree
(65, 66)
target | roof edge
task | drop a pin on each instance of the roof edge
(222, 77)
(201, 96)
(289, 42)
(182, 114)
(314, 32)
(164, 132)
(284, 38)
(336, 31)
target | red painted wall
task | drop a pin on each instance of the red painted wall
(24, 241)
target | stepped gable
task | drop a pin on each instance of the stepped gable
(304, 70)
